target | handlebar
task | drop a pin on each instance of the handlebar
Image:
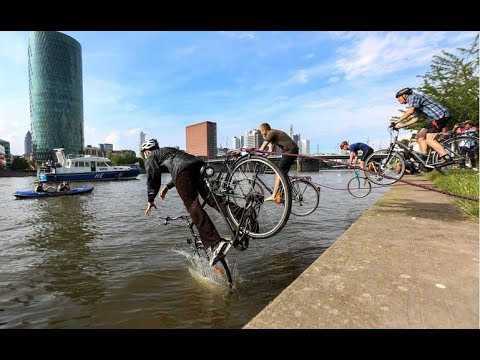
(169, 218)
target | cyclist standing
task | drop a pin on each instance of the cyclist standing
(437, 117)
(289, 149)
(185, 171)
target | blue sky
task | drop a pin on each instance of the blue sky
(331, 86)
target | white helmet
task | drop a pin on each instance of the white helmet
(150, 144)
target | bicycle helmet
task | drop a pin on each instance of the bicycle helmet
(150, 144)
(404, 91)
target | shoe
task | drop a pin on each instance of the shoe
(218, 251)
(270, 198)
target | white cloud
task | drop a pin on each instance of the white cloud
(377, 54)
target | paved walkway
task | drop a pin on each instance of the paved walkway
(386, 271)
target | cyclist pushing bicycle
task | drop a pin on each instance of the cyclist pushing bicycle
(185, 170)
(437, 117)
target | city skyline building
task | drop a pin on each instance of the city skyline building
(5, 153)
(253, 138)
(56, 94)
(27, 144)
(142, 140)
(201, 139)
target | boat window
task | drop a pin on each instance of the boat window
(87, 163)
(79, 164)
(101, 163)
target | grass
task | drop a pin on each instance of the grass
(460, 182)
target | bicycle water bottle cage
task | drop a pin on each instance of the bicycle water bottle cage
(207, 171)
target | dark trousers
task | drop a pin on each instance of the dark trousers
(189, 185)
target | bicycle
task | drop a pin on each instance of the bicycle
(359, 186)
(305, 195)
(241, 185)
(387, 166)
(199, 256)
(465, 145)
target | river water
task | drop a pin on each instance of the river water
(96, 261)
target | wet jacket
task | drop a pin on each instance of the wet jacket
(174, 160)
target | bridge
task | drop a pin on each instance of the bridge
(303, 164)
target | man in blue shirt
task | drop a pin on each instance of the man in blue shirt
(437, 117)
(354, 149)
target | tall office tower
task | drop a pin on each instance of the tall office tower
(142, 140)
(242, 141)
(201, 139)
(236, 143)
(28, 144)
(304, 146)
(291, 131)
(296, 139)
(253, 139)
(56, 94)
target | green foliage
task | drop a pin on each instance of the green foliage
(453, 81)
(123, 159)
(461, 182)
(20, 163)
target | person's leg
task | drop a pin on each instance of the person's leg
(188, 192)
(422, 142)
(433, 128)
(364, 157)
(284, 165)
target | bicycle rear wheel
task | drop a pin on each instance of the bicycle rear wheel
(359, 187)
(305, 197)
(384, 169)
(462, 149)
(251, 180)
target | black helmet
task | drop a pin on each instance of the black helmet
(404, 91)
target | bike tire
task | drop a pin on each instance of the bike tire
(381, 172)
(305, 197)
(252, 179)
(359, 187)
(219, 273)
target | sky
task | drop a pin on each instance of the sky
(329, 85)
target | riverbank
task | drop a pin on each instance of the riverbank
(15, 173)
(388, 271)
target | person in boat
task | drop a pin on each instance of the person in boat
(41, 187)
(64, 186)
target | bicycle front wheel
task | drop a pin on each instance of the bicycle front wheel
(383, 168)
(359, 187)
(219, 273)
(250, 181)
(305, 197)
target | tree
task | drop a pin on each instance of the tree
(453, 81)
(20, 163)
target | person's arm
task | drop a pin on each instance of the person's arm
(154, 181)
(264, 145)
(353, 158)
(405, 115)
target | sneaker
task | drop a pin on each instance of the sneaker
(270, 198)
(218, 251)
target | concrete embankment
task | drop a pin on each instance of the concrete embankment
(409, 262)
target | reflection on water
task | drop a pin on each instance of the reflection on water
(95, 260)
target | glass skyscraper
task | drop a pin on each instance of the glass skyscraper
(56, 94)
